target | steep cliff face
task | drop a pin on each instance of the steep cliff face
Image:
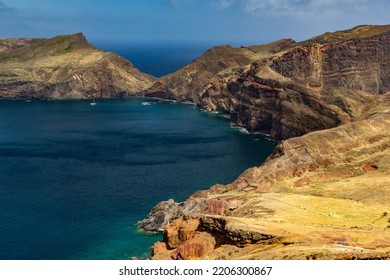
(186, 83)
(65, 67)
(323, 195)
(313, 85)
(289, 89)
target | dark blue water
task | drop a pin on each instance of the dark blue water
(157, 60)
(75, 178)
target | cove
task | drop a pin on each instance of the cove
(75, 178)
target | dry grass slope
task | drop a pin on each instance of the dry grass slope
(323, 195)
(65, 66)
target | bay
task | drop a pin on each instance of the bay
(75, 178)
(156, 59)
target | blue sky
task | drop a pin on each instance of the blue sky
(189, 21)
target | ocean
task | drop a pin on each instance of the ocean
(75, 179)
(156, 59)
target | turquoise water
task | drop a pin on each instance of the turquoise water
(75, 178)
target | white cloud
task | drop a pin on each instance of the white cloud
(287, 7)
(179, 3)
(5, 9)
(311, 6)
(3, 6)
(225, 4)
(270, 5)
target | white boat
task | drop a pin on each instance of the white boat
(93, 103)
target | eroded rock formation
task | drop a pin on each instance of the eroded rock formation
(323, 195)
(287, 88)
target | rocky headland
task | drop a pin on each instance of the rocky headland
(324, 193)
(65, 67)
(288, 88)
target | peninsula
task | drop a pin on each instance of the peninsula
(324, 193)
(65, 67)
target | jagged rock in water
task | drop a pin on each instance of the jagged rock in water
(165, 212)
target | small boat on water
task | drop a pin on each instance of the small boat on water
(93, 103)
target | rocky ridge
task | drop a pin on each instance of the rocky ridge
(288, 88)
(65, 67)
(323, 195)
(186, 83)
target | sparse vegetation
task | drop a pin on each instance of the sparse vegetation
(58, 61)
(315, 84)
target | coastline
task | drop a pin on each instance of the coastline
(99, 169)
(324, 186)
(333, 152)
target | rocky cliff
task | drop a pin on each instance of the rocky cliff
(287, 88)
(65, 67)
(323, 195)
(187, 83)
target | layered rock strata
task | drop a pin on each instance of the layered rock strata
(323, 195)
(287, 88)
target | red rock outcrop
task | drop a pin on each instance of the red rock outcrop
(323, 195)
(313, 193)
(183, 241)
(193, 237)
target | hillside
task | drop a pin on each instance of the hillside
(186, 83)
(288, 89)
(65, 67)
(324, 193)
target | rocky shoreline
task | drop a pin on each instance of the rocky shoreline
(304, 199)
(324, 193)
